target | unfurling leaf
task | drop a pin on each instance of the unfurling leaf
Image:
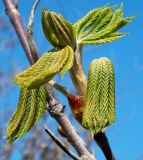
(100, 26)
(50, 64)
(99, 107)
(31, 107)
(58, 31)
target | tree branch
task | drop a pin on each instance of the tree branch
(61, 144)
(55, 108)
(19, 27)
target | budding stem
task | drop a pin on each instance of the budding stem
(77, 73)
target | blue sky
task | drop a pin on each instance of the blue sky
(125, 135)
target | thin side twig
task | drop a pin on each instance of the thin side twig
(31, 17)
(65, 91)
(60, 143)
(31, 41)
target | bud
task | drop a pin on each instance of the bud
(76, 104)
(58, 31)
(60, 130)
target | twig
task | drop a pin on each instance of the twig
(31, 41)
(102, 141)
(60, 144)
(65, 91)
(31, 17)
(56, 109)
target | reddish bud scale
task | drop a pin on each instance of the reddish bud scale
(76, 104)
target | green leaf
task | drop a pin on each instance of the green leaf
(108, 39)
(69, 62)
(50, 64)
(31, 107)
(100, 25)
(99, 107)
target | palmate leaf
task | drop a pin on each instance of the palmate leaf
(99, 25)
(31, 107)
(99, 107)
(50, 64)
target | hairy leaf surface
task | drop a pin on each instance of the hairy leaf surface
(50, 64)
(99, 25)
(30, 109)
(99, 107)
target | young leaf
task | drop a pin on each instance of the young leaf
(58, 31)
(30, 109)
(69, 63)
(99, 25)
(91, 20)
(99, 107)
(108, 39)
(50, 64)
